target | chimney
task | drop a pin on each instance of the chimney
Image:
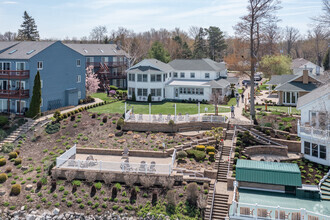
(305, 76)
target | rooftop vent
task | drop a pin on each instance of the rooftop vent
(31, 51)
(13, 51)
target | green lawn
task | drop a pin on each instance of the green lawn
(240, 91)
(102, 96)
(280, 109)
(264, 87)
(156, 108)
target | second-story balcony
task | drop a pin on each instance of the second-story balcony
(109, 64)
(14, 74)
(15, 94)
(318, 134)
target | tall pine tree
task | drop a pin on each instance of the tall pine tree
(200, 47)
(36, 98)
(216, 41)
(28, 29)
(158, 52)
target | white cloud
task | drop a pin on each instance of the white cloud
(9, 2)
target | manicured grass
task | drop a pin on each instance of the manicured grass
(102, 96)
(231, 102)
(280, 109)
(156, 108)
(240, 91)
(264, 87)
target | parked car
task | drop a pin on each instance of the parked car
(248, 82)
(257, 77)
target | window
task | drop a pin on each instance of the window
(159, 78)
(130, 91)
(170, 74)
(89, 60)
(175, 75)
(104, 59)
(315, 150)
(20, 66)
(139, 77)
(4, 66)
(201, 91)
(181, 75)
(153, 92)
(181, 90)
(78, 78)
(313, 119)
(207, 75)
(40, 65)
(145, 78)
(156, 92)
(131, 77)
(78, 63)
(153, 78)
(323, 152)
(139, 93)
(142, 92)
(192, 75)
(79, 94)
(164, 77)
(307, 148)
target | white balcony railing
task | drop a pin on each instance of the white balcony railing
(313, 133)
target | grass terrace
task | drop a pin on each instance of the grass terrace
(157, 108)
(283, 109)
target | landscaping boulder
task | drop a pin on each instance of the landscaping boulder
(56, 211)
(24, 168)
(28, 187)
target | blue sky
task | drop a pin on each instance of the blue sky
(75, 18)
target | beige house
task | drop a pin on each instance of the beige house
(291, 87)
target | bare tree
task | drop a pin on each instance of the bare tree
(324, 19)
(271, 37)
(318, 35)
(130, 179)
(108, 178)
(147, 180)
(167, 182)
(98, 33)
(90, 176)
(259, 11)
(193, 31)
(291, 37)
(216, 98)
(70, 175)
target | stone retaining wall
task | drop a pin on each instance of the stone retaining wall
(163, 127)
(118, 152)
(293, 146)
(266, 149)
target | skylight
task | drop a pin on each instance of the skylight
(114, 50)
(101, 50)
(13, 51)
(31, 51)
(85, 51)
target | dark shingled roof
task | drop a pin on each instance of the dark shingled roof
(296, 86)
(314, 95)
(150, 64)
(280, 79)
(221, 83)
(4, 45)
(198, 64)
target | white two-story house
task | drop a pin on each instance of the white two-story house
(314, 128)
(178, 80)
(300, 64)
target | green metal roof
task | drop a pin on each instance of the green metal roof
(286, 174)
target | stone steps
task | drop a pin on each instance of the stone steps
(220, 208)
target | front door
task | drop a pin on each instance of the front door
(19, 106)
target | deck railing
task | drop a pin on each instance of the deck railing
(14, 74)
(314, 133)
(20, 93)
(66, 156)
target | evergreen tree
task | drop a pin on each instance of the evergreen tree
(216, 42)
(36, 98)
(29, 29)
(326, 64)
(186, 52)
(200, 47)
(158, 52)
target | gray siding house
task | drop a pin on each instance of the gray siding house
(62, 74)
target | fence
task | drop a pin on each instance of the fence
(66, 156)
(231, 151)
(176, 118)
(314, 133)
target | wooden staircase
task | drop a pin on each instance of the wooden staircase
(325, 189)
(220, 206)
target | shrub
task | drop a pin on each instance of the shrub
(52, 128)
(114, 192)
(210, 149)
(15, 189)
(181, 155)
(115, 207)
(17, 161)
(200, 147)
(237, 149)
(238, 143)
(76, 182)
(3, 177)
(12, 155)
(154, 198)
(133, 195)
(73, 117)
(267, 132)
(192, 194)
(98, 185)
(3, 120)
(199, 155)
(120, 123)
(171, 202)
(105, 119)
(3, 161)
(7, 147)
(211, 154)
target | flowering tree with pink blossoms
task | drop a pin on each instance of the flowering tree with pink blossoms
(92, 82)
